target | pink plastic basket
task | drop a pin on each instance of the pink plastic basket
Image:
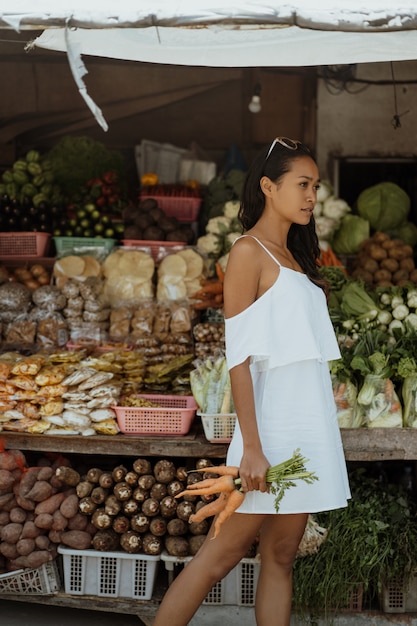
(173, 416)
(24, 244)
(181, 207)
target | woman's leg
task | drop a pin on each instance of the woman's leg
(213, 561)
(280, 536)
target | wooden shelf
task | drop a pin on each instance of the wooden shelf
(360, 444)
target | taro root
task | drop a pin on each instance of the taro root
(168, 506)
(112, 505)
(130, 507)
(105, 540)
(84, 488)
(152, 545)
(145, 481)
(106, 480)
(131, 542)
(122, 491)
(174, 487)
(195, 542)
(203, 463)
(184, 510)
(140, 495)
(199, 528)
(158, 491)
(101, 519)
(150, 507)
(86, 506)
(67, 475)
(158, 526)
(181, 473)
(121, 524)
(177, 546)
(131, 478)
(98, 495)
(140, 523)
(119, 473)
(177, 527)
(142, 466)
(93, 474)
(164, 471)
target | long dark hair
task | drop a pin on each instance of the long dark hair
(302, 240)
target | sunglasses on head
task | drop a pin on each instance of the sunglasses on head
(290, 144)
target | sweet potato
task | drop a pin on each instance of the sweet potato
(28, 480)
(78, 522)
(4, 518)
(42, 542)
(10, 505)
(4, 499)
(51, 504)
(54, 536)
(8, 550)
(45, 473)
(11, 532)
(37, 558)
(41, 490)
(6, 479)
(59, 522)
(30, 530)
(69, 506)
(44, 521)
(12, 459)
(25, 546)
(18, 515)
(77, 539)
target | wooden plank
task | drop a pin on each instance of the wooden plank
(193, 445)
(360, 444)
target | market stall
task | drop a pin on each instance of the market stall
(113, 327)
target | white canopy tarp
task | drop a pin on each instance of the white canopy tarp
(219, 33)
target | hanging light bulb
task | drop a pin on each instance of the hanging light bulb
(255, 103)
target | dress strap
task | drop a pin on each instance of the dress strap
(264, 247)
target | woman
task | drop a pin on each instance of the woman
(279, 339)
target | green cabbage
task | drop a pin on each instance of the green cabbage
(385, 206)
(407, 232)
(352, 231)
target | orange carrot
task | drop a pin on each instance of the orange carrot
(208, 289)
(210, 509)
(219, 272)
(214, 485)
(221, 470)
(233, 502)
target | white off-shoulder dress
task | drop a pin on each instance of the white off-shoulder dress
(289, 337)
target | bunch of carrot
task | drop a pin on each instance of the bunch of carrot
(211, 293)
(329, 258)
(228, 486)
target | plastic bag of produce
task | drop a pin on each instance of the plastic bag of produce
(345, 394)
(409, 396)
(379, 403)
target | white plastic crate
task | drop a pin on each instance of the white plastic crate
(397, 597)
(238, 587)
(43, 580)
(109, 574)
(218, 427)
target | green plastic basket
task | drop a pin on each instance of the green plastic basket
(65, 244)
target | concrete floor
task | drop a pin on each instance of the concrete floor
(21, 614)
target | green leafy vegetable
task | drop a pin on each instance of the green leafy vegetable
(385, 205)
(352, 232)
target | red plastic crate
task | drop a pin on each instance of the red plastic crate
(184, 208)
(173, 416)
(24, 244)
